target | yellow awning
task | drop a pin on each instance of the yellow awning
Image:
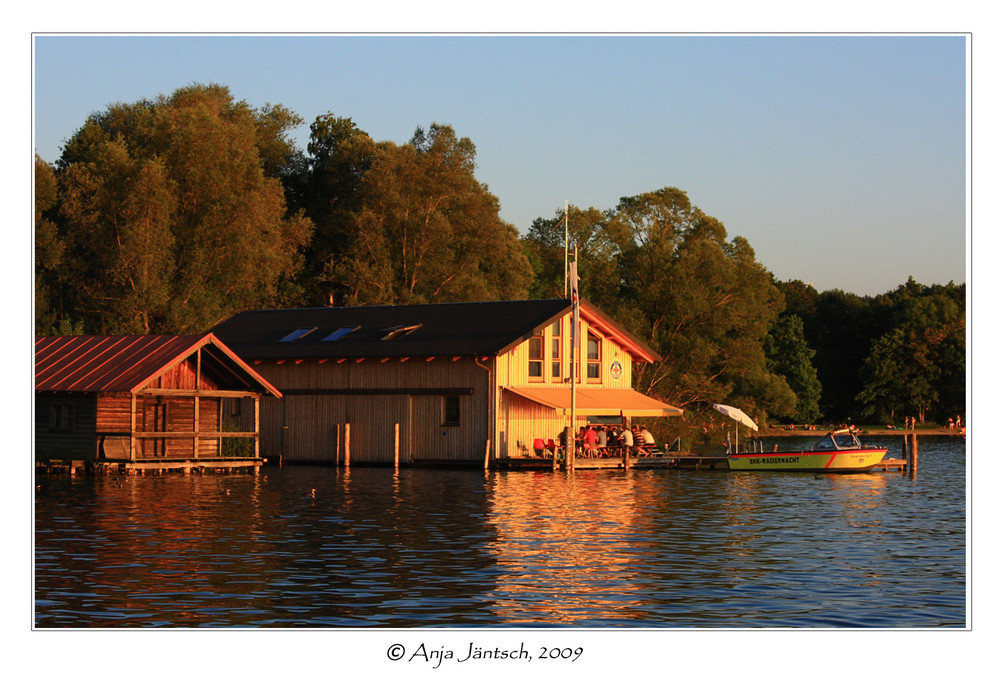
(597, 401)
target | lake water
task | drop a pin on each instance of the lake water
(372, 547)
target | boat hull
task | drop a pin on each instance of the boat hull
(852, 460)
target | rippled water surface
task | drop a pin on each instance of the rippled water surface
(377, 548)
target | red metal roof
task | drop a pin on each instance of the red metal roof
(119, 363)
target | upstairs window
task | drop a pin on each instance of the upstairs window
(593, 356)
(557, 351)
(536, 357)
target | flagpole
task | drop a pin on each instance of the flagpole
(574, 344)
(566, 250)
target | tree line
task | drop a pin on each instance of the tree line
(169, 215)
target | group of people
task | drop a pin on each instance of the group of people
(604, 441)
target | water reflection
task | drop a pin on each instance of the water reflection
(567, 544)
(321, 547)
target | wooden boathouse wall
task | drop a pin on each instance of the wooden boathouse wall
(65, 426)
(143, 398)
(322, 397)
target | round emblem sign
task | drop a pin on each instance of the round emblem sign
(616, 370)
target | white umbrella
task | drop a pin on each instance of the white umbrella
(738, 416)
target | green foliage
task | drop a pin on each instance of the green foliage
(171, 215)
(49, 247)
(840, 327)
(706, 305)
(789, 356)
(590, 240)
(919, 364)
(425, 230)
(329, 188)
(241, 447)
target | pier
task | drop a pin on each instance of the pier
(75, 467)
(664, 461)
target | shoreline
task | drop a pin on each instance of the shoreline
(819, 432)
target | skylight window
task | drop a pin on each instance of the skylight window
(393, 333)
(297, 334)
(340, 333)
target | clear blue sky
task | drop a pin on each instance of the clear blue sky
(841, 159)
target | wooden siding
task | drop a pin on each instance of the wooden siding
(519, 421)
(64, 426)
(320, 397)
(114, 411)
(182, 376)
(512, 367)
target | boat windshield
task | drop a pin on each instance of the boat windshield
(837, 441)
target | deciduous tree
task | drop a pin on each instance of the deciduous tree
(706, 304)
(789, 356)
(49, 247)
(920, 364)
(174, 214)
(427, 231)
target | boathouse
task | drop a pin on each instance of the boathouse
(458, 383)
(146, 402)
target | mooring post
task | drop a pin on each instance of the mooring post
(914, 454)
(395, 460)
(906, 448)
(347, 444)
(486, 460)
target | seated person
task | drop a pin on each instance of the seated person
(590, 442)
(626, 440)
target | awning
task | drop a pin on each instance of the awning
(597, 401)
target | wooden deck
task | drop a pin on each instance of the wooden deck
(148, 465)
(891, 464)
(665, 461)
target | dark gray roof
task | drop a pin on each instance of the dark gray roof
(475, 328)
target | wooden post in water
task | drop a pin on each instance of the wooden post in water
(906, 449)
(336, 455)
(914, 454)
(347, 444)
(486, 460)
(395, 458)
